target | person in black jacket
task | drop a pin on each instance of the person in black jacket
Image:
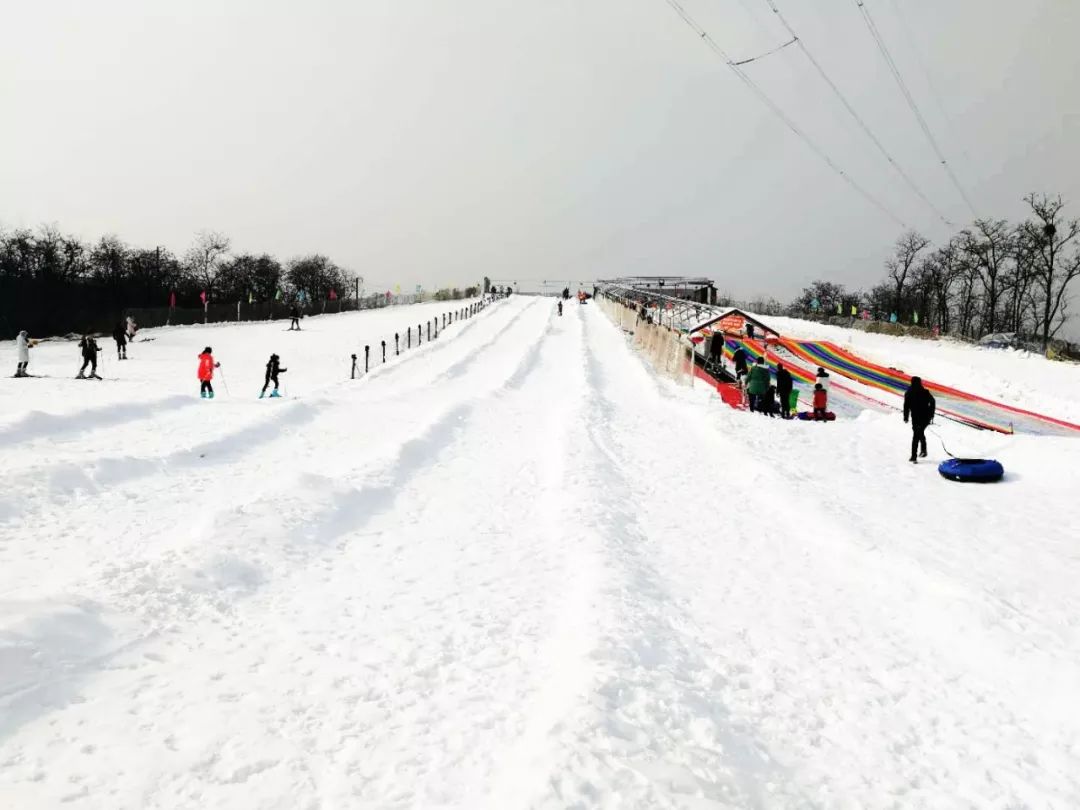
(89, 348)
(739, 357)
(120, 336)
(273, 368)
(784, 385)
(294, 313)
(919, 405)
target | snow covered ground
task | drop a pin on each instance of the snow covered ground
(516, 569)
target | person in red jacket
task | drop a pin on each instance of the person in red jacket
(821, 401)
(206, 373)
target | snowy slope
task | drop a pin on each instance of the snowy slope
(516, 569)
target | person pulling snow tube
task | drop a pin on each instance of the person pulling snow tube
(972, 470)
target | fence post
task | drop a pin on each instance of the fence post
(367, 351)
(384, 351)
(420, 335)
(352, 375)
(429, 331)
(397, 346)
(408, 338)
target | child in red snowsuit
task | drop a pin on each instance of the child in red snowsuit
(206, 373)
(821, 401)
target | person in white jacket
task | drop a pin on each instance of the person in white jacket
(22, 348)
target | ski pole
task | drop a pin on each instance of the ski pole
(224, 381)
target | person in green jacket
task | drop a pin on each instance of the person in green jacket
(758, 383)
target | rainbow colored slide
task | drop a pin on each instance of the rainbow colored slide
(843, 400)
(958, 405)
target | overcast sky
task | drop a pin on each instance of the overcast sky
(417, 141)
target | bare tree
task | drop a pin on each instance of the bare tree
(203, 259)
(908, 247)
(990, 248)
(1048, 236)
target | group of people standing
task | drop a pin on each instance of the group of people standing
(765, 397)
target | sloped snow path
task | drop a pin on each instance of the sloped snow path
(516, 570)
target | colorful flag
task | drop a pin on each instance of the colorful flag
(278, 296)
(854, 310)
(202, 296)
(333, 295)
(251, 297)
(172, 300)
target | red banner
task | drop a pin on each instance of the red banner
(732, 323)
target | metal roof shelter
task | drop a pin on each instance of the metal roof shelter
(689, 288)
(679, 313)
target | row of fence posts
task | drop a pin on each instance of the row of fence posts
(448, 318)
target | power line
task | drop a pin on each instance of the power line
(911, 103)
(858, 119)
(779, 113)
(778, 48)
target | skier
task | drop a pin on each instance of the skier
(273, 368)
(821, 401)
(784, 386)
(294, 313)
(560, 308)
(206, 373)
(23, 344)
(120, 336)
(566, 293)
(920, 406)
(132, 328)
(758, 384)
(89, 348)
(822, 378)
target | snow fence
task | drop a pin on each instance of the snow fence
(669, 353)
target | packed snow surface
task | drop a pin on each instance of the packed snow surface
(516, 569)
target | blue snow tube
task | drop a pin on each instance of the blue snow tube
(974, 470)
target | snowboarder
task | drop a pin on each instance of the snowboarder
(821, 401)
(784, 385)
(560, 308)
(273, 368)
(920, 406)
(120, 336)
(132, 328)
(294, 313)
(758, 384)
(23, 344)
(89, 348)
(206, 373)
(822, 378)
